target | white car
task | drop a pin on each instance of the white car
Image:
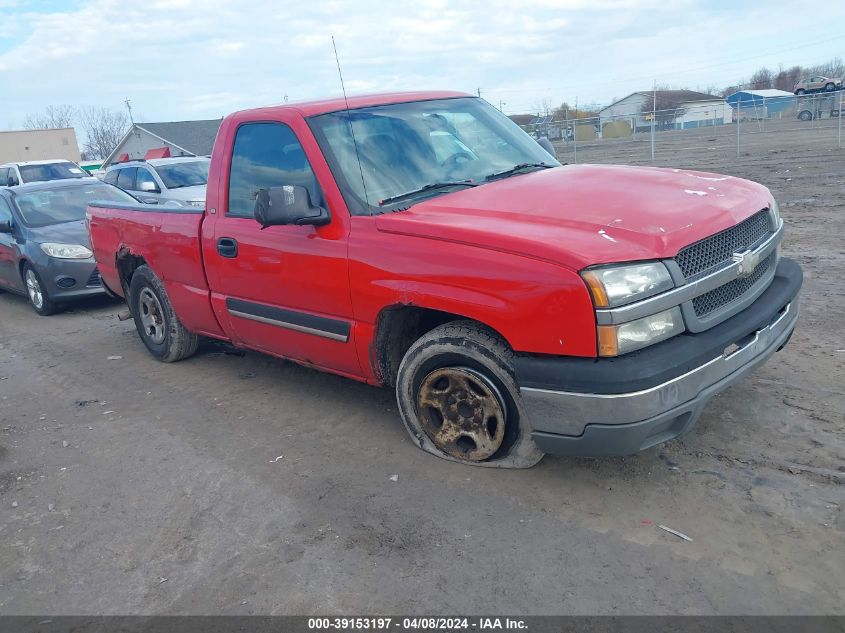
(13, 174)
(179, 181)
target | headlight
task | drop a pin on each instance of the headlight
(67, 251)
(613, 286)
(615, 340)
(194, 203)
(774, 212)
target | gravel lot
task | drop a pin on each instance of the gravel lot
(243, 484)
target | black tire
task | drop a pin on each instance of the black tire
(37, 293)
(800, 91)
(829, 87)
(159, 328)
(477, 367)
(805, 115)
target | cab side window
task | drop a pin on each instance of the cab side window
(126, 178)
(5, 211)
(111, 177)
(267, 155)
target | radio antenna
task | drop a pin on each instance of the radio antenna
(351, 128)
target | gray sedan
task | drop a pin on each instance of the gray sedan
(45, 251)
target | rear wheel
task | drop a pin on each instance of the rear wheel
(829, 87)
(158, 326)
(800, 91)
(39, 299)
(805, 115)
(459, 400)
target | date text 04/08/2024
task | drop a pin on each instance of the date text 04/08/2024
(416, 623)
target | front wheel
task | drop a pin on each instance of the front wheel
(800, 91)
(829, 87)
(158, 326)
(39, 298)
(459, 400)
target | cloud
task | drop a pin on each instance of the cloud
(179, 59)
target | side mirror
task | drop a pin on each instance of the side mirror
(5, 226)
(546, 144)
(149, 187)
(290, 204)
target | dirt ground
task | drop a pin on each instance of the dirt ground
(243, 484)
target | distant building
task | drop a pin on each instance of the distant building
(762, 104)
(693, 109)
(21, 145)
(179, 138)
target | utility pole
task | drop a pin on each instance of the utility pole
(575, 131)
(478, 90)
(653, 117)
(501, 103)
(129, 107)
(839, 143)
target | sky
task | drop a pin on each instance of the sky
(196, 59)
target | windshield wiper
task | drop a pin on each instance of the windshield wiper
(429, 187)
(514, 169)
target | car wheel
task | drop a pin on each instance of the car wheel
(829, 87)
(459, 400)
(805, 115)
(39, 299)
(158, 326)
(800, 91)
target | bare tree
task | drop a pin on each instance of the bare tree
(666, 104)
(763, 79)
(103, 128)
(53, 117)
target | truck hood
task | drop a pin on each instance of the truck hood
(580, 215)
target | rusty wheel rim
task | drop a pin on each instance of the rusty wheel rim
(462, 412)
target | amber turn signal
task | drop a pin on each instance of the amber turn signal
(608, 343)
(596, 287)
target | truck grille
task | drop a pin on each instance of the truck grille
(709, 302)
(717, 250)
(94, 280)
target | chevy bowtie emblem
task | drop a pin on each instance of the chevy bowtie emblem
(747, 263)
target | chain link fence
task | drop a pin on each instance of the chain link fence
(747, 125)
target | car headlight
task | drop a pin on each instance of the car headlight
(194, 203)
(613, 286)
(615, 340)
(66, 251)
(774, 212)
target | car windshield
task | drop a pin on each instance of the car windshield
(187, 174)
(50, 171)
(409, 151)
(44, 207)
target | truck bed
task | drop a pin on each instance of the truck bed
(165, 238)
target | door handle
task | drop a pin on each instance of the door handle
(227, 247)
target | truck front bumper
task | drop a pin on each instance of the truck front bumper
(619, 406)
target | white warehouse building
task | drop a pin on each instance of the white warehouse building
(693, 109)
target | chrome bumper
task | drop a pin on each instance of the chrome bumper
(560, 418)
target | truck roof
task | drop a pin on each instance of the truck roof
(335, 104)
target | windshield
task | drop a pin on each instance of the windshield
(178, 175)
(50, 171)
(407, 146)
(64, 204)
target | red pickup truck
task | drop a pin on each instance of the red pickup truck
(423, 241)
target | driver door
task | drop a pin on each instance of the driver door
(284, 289)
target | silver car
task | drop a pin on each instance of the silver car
(179, 181)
